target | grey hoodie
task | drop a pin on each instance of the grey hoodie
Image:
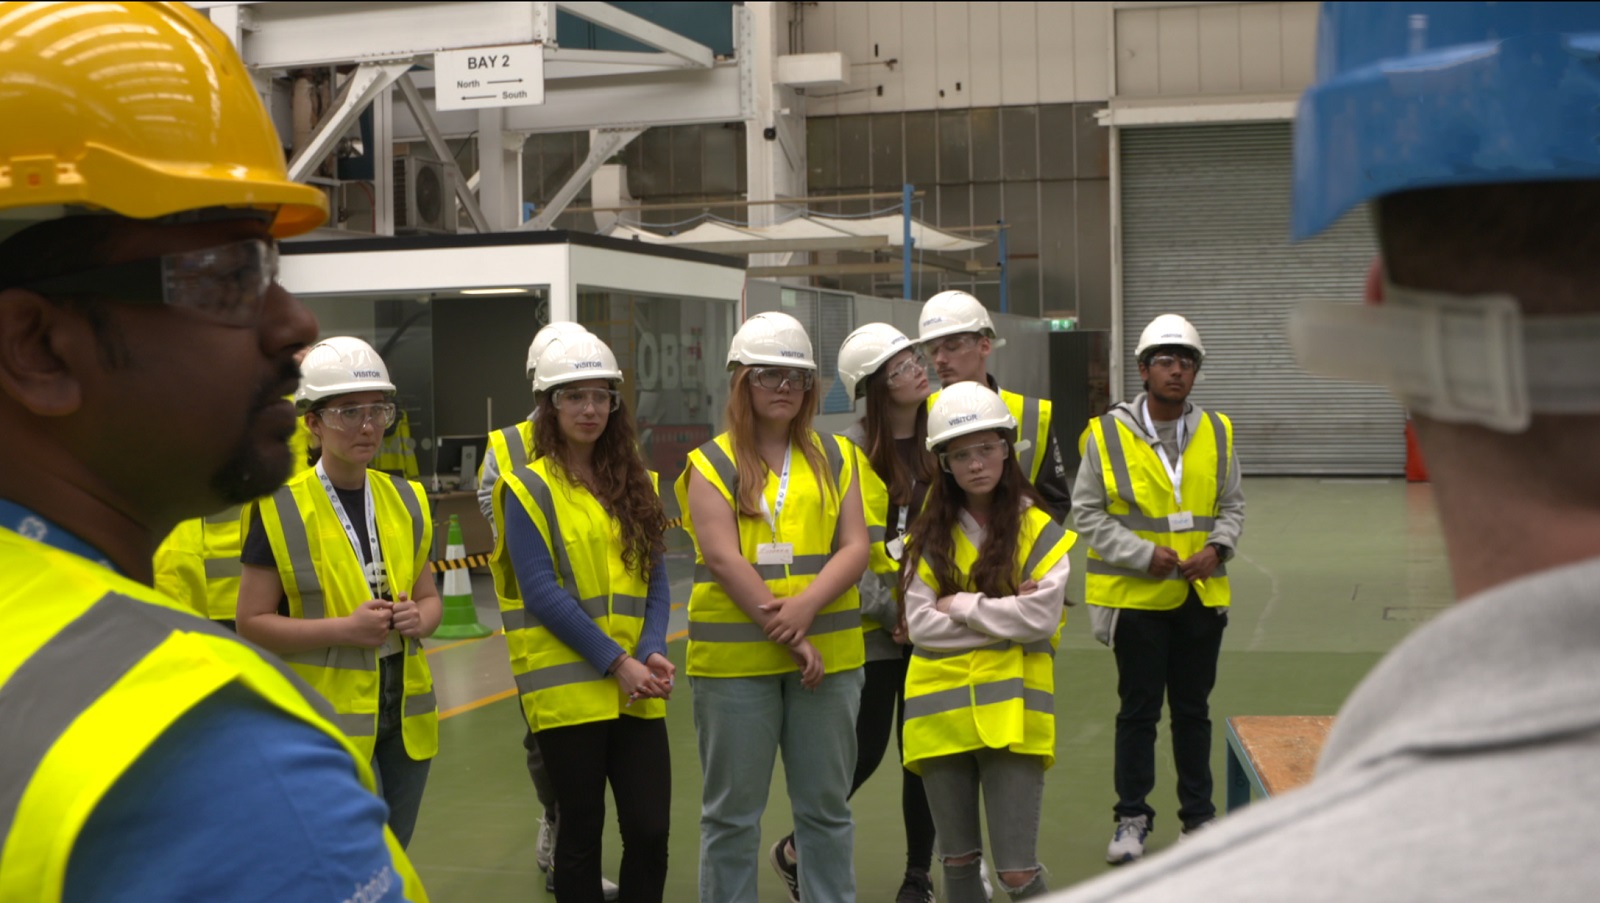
(1106, 535)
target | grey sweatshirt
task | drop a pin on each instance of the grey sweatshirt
(1106, 535)
(1463, 769)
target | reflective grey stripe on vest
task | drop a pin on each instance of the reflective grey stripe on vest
(312, 603)
(67, 675)
(345, 658)
(357, 724)
(540, 490)
(222, 568)
(726, 470)
(1038, 646)
(875, 534)
(957, 698)
(556, 676)
(1029, 429)
(1119, 462)
(624, 605)
(223, 517)
(515, 449)
(751, 632)
(1048, 538)
(413, 508)
(421, 704)
(803, 566)
(1222, 457)
(1107, 569)
(835, 456)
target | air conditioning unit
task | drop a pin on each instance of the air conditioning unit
(424, 198)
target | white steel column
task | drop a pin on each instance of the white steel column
(775, 133)
(499, 171)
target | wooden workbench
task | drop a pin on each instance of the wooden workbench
(1272, 754)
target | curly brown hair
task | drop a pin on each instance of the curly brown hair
(933, 534)
(621, 482)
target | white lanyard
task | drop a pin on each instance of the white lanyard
(1174, 473)
(905, 511)
(783, 490)
(374, 566)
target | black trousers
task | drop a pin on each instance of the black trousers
(1172, 654)
(884, 689)
(633, 755)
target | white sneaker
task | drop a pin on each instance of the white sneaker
(1128, 843)
(608, 889)
(983, 872)
(545, 851)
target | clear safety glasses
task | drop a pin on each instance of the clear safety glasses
(907, 370)
(952, 345)
(353, 417)
(226, 283)
(1168, 361)
(773, 379)
(988, 452)
(577, 400)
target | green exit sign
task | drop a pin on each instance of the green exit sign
(1065, 324)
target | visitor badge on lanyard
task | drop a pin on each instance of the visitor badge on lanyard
(1182, 520)
(373, 568)
(776, 552)
(897, 547)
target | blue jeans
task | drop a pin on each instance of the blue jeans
(742, 722)
(401, 779)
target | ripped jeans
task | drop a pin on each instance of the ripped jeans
(1012, 787)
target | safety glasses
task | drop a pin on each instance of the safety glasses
(773, 379)
(577, 400)
(908, 369)
(225, 284)
(988, 452)
(353, 417)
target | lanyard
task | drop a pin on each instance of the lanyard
(905, 511)
(783, 490)
(23, 522)
(374, 565)
(1174, 473)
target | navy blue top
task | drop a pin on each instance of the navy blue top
(177, 824)
(545, 599)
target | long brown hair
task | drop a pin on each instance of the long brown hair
(621, 483)
(933, 534)
(740, 419)
(881, 451)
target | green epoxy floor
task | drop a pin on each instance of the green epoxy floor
(1332, 573)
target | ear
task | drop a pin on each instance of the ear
(985, 345)
(42, 347)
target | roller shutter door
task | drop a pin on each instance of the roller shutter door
(1205, 233)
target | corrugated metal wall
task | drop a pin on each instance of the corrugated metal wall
(1205, 231)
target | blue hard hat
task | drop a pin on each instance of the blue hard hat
(1428, 95)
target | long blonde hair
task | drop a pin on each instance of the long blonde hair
(740, 421)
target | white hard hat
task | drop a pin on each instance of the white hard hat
(545, 336)
(952, 313)
(967, 408)
(864, 351)
(570, 359)
(772, 339)
(1169, 329)
(339, 366)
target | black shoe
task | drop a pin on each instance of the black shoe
(786, 868)
(917, 888)
(550, 881)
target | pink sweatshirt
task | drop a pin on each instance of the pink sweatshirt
(976, 619)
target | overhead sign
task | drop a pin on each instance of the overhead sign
(483, 77)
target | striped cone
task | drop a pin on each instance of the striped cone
(460, 617)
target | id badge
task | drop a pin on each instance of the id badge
(1183, 520)
(775, 553)
(895, 547)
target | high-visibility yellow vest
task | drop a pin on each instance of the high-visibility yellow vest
(1033, 424)
(397, 453)
(94, 670)
(512, 448)
(1002, 695)
(557, 685)
(324, 578)
(880, 566)
(1139, 495)
(723, 641)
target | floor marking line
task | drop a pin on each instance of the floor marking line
(1266, 610)
(477, 639)
(477, 703)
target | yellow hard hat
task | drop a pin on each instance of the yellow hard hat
(142, 109)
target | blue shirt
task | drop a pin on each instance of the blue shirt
(545, 599)
(237, 801)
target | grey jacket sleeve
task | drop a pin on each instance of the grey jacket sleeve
(1052, 482)
(877, 598)
(1109, 539)
(1230, 510)
(491, 476)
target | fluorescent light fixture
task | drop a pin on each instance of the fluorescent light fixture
(494, 291)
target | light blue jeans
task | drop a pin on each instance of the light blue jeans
(741, 723)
